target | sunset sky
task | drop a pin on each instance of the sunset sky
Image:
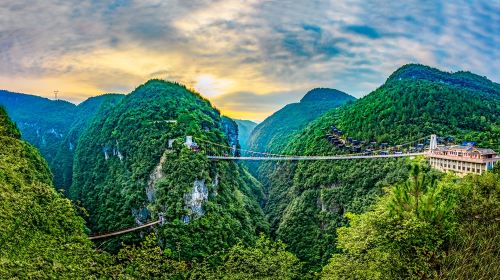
(249, 57)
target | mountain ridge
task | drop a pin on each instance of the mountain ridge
(312, 197)
(273, 134)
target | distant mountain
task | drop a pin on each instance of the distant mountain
(53, 126)
(38, 228)
(245, 128)
(276, 131)
(307, 200)
(43, 122)
(132, 165)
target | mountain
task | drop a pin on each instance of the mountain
(245, 128)
(44, 123)
(307, 200)
(40, 234)
(54, 126)
(460, 79)
(132, 166)
(274, 133)
(85, 112)
(418, 100)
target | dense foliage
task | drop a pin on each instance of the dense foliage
(424, 229)
(40, 234)
(85, 112)
(245, 128)
(459, 79)
(54, 126)
(43, 123)
(264, 260)
(276, 131)
(409, 106)
(307, 200)
(125, 173)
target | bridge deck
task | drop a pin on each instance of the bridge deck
(296, 158)
(123, 231)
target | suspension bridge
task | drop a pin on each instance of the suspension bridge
(418, 147)
(424, 146)
(123, 231)
(216, 151)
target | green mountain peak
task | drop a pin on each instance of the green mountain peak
(325, 94)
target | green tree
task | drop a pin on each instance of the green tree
(146, 261)
(405, 236)
(474, 251)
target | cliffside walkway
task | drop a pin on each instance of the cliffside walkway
(123, 231)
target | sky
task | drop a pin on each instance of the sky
(249, 58)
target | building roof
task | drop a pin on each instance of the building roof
(469, 149)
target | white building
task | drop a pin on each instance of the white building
(462, 159)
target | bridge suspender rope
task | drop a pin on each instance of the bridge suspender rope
(295, 158)
(216, 151)
(111, 234)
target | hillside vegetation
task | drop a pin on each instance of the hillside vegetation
(125, 173)
(276, 131)
(54, 126)
(43, 122)
(429, 227)
(307, 200)
(85, 113)
(40, 234)
(418, 101)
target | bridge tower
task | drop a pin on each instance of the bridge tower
(433, 144)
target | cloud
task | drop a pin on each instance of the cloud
(363, 30)
(233, 50)
(249, 105)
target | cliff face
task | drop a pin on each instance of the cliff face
(230, 128)
(245, 128)
(132, 166)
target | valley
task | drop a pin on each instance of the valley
(402, 183)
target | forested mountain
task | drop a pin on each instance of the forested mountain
(307, 200)
(245, 128)
(40, 234)
(41, 237)
(44, 123)
(127, 162)
(461, 79)
(53, 126)
(126, 173)
(418, 100)
(276, 131)
(84, 114)
(428, 227)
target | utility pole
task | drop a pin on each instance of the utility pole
(56, 92)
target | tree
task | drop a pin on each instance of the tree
(405, 236)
